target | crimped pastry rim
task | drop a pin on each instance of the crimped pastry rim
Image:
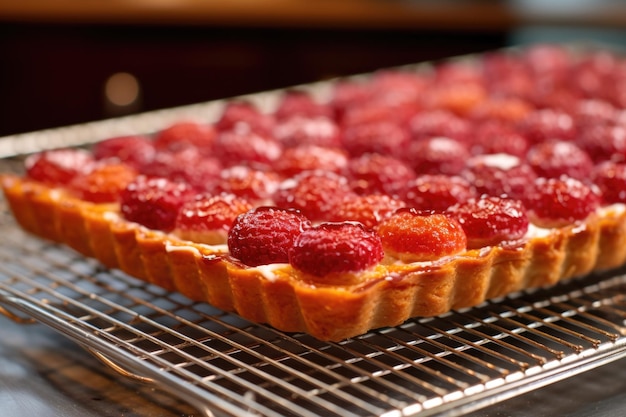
(282, 299)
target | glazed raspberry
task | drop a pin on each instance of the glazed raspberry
(238, 147)
(383, 137)
(436, 192)
(399, 85)
(208, 218)
(244, 116)
(556, 202)
(547, 124)
(301, 103)
(489, 221)
(501, 109)
(506, 76)
(414, 236)
(432, 123)
(298, 130)
(547, 60)
(265, 235)
(593, 112)
(104, 183)
(335, 248)
(610, 178)
(449, 72)
(376, 173)
(559, 99)
(368, 210)
(390, 106)
(309, 158)
(58, 167)
(185, 134)
(187, 166)
(253, 185)
(316, 194)
(603, 142)
(493, 137)
(133, 150)
(437, 155)
(347, 94)
(499, 175)
(555, 158)
(592, 71)
(154, 202)
(459, 98)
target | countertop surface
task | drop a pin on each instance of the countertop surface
(42, 373)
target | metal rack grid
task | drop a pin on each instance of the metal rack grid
(223, 365)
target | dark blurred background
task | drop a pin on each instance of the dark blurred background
(72, 61)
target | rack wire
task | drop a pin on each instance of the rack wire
(225, 366)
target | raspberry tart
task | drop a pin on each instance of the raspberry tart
(408, 192)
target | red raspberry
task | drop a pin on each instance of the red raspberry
(459, 98)
(489, 221)
(591, 73)
(301, 103)
(368, 210)
(296, 131)
(433, 123)
(209, 218)
(547, 59)
(436, 192)
(347, 94)
(58, 167)
(499, 175)
(558, 99)
(542, 125)
(448, 72)
(603, 142)
(414, 236)
(253, 185)
(265, 235)
(186, 166)
(244, 116)
(104, 183)
(492, 137)
(383, 137)
(185, 134)
(133, 150)
(316, 194)
(593, 112)
(335, 248)
(154, 202)
(376, 173)
(437, 155)
(501, 109)
(390, 106)
(506, 77)
(237, 147)
(555, 158)
(557, 202)
(309, 158)
(399, 85)
(610, 177)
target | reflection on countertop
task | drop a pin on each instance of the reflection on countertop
(44, 373)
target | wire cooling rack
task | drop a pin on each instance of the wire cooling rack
(226, 366)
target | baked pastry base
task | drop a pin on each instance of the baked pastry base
(387, 295)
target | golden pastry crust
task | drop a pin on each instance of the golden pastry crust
(278, 295)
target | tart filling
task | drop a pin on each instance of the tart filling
(403, 194)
